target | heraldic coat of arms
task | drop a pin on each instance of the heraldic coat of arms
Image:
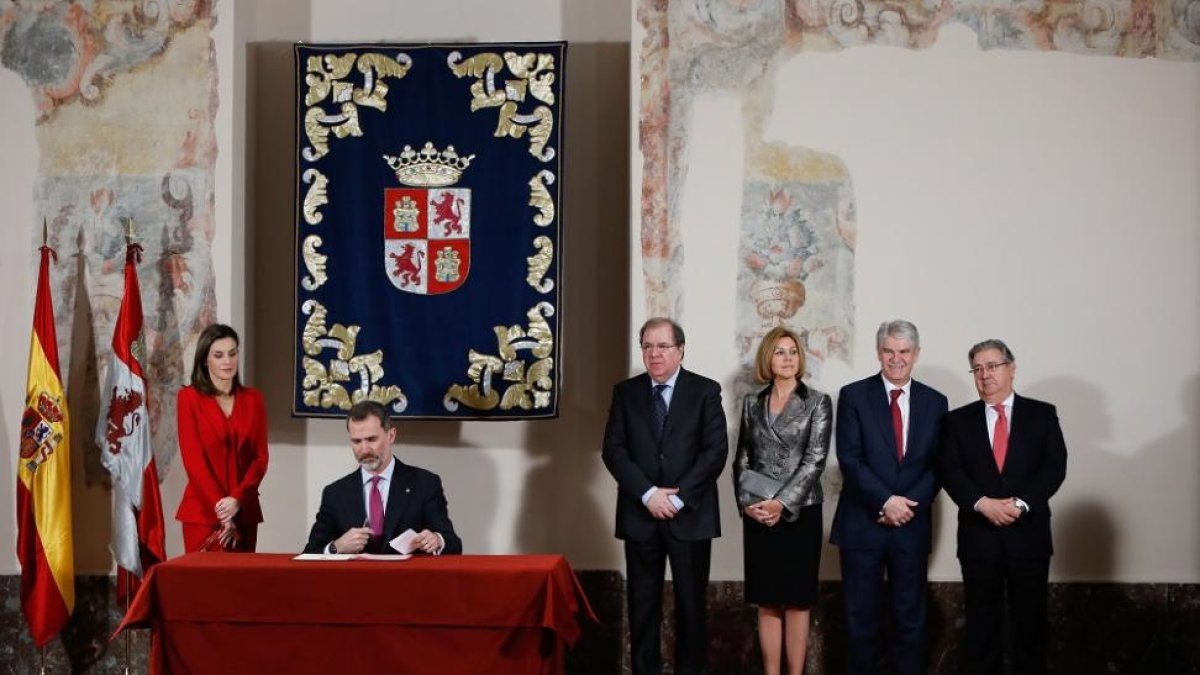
(427, 224)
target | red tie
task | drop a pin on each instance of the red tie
(898, 424)
(375, 516)
(1000, 437)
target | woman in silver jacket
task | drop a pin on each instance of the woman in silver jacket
(782, 445)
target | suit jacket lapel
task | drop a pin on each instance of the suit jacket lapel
(917, 416)
(644, 401)
(354, 497)
(791, 410)
(1017, 433)
(678, 397)
(397, 502)
(981, 439)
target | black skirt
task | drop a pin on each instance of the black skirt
(781, 563)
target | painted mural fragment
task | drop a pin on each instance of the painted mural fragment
(126, 95)
(797, 223)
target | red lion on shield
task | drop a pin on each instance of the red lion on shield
(408, 265)
(120, 407)
(447, 211)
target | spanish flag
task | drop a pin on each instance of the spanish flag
(44, 544)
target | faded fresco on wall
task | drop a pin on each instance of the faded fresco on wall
(126, 95)
(797, 224)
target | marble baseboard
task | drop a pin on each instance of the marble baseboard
(1095, 629)
(84, 645)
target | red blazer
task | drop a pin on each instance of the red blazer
(223, 456)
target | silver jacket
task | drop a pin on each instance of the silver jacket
(792, 450)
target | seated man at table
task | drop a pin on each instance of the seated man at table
(382, 498)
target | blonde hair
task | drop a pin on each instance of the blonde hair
(766, 348)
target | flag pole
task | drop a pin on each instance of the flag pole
(127, 573)
(42, 649)
(128, 592)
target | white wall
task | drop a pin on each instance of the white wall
(18, 273)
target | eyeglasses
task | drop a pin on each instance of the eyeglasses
(658, 347)
(988, 368)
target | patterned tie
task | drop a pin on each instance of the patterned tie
(898, 424)
(375, 515)
(1000, 437)
(658, 412)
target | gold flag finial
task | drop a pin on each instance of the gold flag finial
(45, 236)
(128, 231)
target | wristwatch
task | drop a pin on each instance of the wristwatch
(333, 548)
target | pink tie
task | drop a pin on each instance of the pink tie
(1000, 437)
(898, 424)
(375, 516)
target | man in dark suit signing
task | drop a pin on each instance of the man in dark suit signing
(1001, 459)
(382, 498)
(665, 444)
(887, 430)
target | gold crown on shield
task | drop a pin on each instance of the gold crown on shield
(428, 167)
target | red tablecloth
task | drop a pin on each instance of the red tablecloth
(256, 613)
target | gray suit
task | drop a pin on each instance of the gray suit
(792, 450)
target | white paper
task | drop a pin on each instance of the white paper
(351, 556)
(324, 556)
(406, 543)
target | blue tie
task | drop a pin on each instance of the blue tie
(659, 411)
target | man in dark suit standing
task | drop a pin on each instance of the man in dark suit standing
(665, 444)
(1001, 459)
(887, 429)
(366, 509)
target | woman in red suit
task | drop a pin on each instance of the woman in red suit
(223, 441)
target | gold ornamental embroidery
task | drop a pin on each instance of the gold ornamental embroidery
(534, 77)
(326, 80)
(316, 197)
(539, 265)
(540, 199)
(314, 262)
(325, 383)
(527, 382)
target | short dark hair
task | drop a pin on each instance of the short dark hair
(201, 380)
(366, 408)
(991, 343)
(655, 322)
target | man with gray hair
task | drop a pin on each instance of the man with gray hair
(887, 427)
(1001, 459)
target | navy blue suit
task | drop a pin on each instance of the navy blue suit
(872, 472)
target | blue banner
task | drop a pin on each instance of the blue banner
(429, 229)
